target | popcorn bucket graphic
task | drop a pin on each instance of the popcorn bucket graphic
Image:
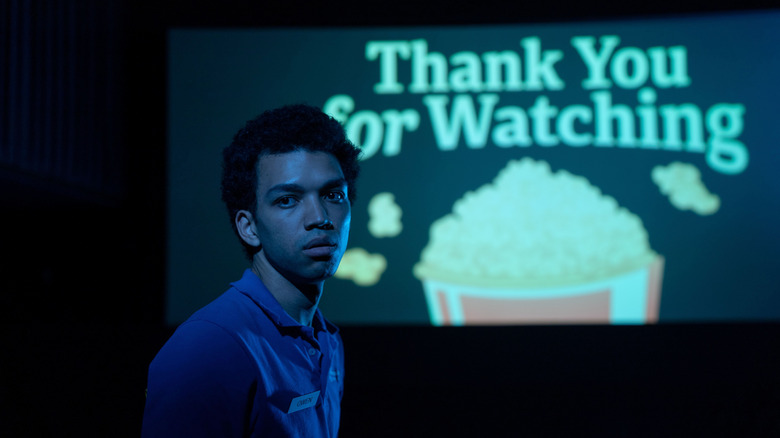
(537, 246)
(629, 298)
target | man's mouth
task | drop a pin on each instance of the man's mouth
(320, 247)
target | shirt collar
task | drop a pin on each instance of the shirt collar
(252, 286)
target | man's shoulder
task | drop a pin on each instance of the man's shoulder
(230, 315)
(228, 308)
(233, 312)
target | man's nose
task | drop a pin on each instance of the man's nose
(317, 215)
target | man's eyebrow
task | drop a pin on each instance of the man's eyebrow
(285, 187)
(335, 182)
(297, 188)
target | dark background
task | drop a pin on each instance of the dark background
(82, 189)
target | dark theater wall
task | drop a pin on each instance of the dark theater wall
(80, 177)
(82, 283)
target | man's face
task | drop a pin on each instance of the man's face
(303, 214)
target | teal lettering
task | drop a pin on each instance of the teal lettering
(463, 119)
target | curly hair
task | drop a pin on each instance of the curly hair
(278, 131)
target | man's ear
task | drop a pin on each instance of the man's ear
(247, 229)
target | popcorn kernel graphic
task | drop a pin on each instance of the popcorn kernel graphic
(682, 184)
(384, 216)
(363, 268)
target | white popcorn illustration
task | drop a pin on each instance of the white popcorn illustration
(384, 216)
(537, 246)
(682, 183)
(360, 266)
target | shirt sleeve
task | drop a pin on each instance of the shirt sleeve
(200, 384)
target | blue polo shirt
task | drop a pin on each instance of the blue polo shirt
(242, 367)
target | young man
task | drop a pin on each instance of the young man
(261, 360)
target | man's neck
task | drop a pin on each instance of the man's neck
(299, 301)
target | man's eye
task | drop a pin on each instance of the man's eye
(285, 201)
(335, 196)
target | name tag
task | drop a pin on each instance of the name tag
(303, 402)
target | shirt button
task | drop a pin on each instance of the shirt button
(312, 352)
